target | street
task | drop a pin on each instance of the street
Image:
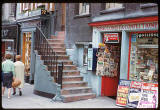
(30, 100)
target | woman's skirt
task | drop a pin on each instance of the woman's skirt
(7, 79)
(2, 77)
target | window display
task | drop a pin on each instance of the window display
(144, 57)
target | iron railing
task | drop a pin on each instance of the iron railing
(48, 55)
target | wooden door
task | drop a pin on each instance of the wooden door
(63, 16)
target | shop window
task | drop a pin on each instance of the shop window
(32, 6)
(113, 5)
(83, 8)
(144, 57)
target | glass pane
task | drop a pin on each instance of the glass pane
(144, 57)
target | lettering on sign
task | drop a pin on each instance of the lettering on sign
(152, 25)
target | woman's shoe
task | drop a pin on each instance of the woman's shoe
(20, 93)
(14, 93)
(9, 97)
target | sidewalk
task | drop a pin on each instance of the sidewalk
(30, 100)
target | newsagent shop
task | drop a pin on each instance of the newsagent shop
(127, 55)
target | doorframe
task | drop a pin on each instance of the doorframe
(32, 62)
(118, 75)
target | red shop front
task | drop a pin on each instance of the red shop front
(132, 27)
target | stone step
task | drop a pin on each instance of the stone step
(54, 44)
(52, 57)
(62, 45)
(76, 90)
(71, 72)
(61, 52)
(65, 67)
(57, 37)
(77, 97)
(55, 40)
(69, 84)
(60, 33)
(65, 62)
(59, 49)
(72, 78)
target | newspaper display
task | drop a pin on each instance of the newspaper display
(134, 94)
(122, 92)
(149, 96)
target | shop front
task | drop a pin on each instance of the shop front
(108, 63)
(135, 54)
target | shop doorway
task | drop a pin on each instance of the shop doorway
(111, 64)
(26, 50)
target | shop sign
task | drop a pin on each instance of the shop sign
(122, 92)
(146, 35)
(111, 38)
(149, 25)
(90, 57)
(134, 94)
(149, 96)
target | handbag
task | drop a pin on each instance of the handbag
(16, 82)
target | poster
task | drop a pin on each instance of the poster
(90, 57)
(122, 92)
(149, 96)
(134, 94)
(100, 64)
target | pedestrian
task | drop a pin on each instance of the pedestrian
(8, 73)
(19, 74)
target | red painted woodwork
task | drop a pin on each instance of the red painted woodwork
(125, 21)
(3, 49)
(109, 86)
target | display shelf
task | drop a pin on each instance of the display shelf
(147, 46)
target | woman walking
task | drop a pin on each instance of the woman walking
(8, 73)
(19, 74)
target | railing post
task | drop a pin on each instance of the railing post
(60, 73)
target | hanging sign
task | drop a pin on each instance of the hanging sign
(122, 92)
(134, 94)
(111, 38)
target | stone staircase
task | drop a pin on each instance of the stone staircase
(73, 86)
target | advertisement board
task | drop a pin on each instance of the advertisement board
(122, 92)
(111, 38)
(149, 96)
(134, 94)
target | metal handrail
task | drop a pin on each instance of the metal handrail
(43, 47)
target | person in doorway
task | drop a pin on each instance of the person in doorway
(19, 74)
(8, 73)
